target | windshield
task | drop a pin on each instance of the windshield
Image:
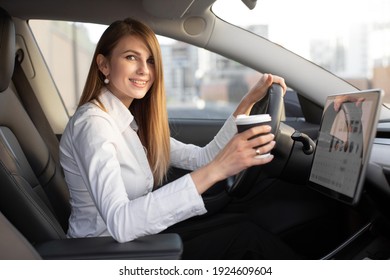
(350, 38)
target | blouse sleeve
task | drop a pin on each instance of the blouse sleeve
(191, 157)
(95, 150)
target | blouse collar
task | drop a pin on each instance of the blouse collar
(117, 110)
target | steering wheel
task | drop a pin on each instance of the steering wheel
(272, 104)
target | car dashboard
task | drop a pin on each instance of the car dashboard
(372, 240)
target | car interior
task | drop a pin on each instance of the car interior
(34, 200)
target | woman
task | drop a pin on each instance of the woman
(116, 148)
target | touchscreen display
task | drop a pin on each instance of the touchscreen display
(344, 142)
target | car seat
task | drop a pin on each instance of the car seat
(13, 245)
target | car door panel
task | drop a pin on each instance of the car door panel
(195, 131)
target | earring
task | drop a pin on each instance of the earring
(106, 81)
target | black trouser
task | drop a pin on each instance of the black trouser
(229, 236)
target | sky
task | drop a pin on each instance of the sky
(331, 13)
(294, 22)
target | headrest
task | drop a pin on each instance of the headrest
(7, 49)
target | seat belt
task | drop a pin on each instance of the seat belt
(34, 110)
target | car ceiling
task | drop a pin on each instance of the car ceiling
(106, 11)
(177, 19)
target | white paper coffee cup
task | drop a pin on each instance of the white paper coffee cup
(244, 122)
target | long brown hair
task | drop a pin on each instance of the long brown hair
(149, 112)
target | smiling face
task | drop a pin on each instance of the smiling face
(129, 68)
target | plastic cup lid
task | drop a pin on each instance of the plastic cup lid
(244, 119)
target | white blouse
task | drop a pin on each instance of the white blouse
(110, 180)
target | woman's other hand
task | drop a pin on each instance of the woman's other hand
(239, 154)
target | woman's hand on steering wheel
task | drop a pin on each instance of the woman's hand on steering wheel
(258, 92)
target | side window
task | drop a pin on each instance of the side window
(67, 48)
(199, 84)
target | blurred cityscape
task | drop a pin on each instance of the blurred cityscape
(197, 78)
